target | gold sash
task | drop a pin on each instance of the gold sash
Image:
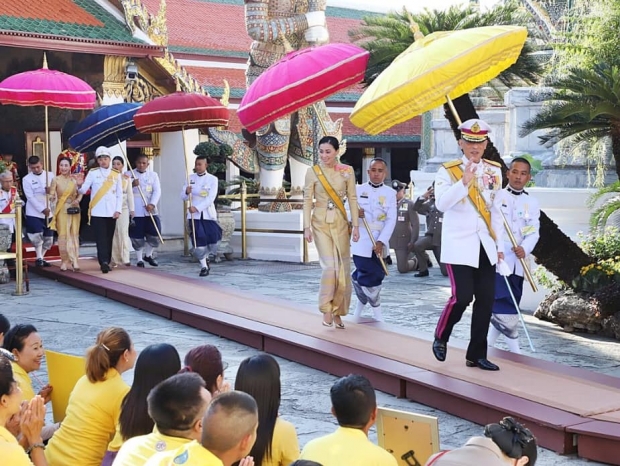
(61, 203)
(105, 187)
(330, 191)
(474, 195)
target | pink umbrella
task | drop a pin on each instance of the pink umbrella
(300, 79)
(49, 88)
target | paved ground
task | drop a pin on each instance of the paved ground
(69, 319)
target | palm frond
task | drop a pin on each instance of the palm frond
(599, 216)
(612, 188)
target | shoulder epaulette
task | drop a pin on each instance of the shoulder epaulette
(452, 163)
(492, 162)
(95, 168)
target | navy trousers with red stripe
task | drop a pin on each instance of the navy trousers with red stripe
(469, 282)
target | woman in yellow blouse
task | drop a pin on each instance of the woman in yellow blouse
(328, 226)
(63, 191)
(276, 439)
(95, 403)
(32, 418)
(121, 244)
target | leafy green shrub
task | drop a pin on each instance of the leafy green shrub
(605, 245)
(546, 279)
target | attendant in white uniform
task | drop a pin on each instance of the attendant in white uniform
(106, 203)
(38, 211)
(377, 204)
(8, 195)
(202, 217)
(144, 236)
(523, 216)
(471, 242)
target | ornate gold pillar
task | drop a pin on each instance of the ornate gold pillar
(114, 79)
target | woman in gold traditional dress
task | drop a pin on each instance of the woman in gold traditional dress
(64, 192)
(328, 226)
(121, 243)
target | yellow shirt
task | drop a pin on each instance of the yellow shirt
(190, 454)
(346, 446)
(284, 445)
(10, 451)
(117, 440)
(90, 423)
(23, 380)
(139, 449)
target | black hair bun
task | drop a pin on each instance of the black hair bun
(510, 436)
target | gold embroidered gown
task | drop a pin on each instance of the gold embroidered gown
(330, 231)
(67, 226)
(121, 244)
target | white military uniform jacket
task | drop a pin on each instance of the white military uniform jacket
(464, 229)
(5, 199)
(34, 190)
(379, 206)
(151, 188)
(523, 216)
(204, 192)
(112, 201)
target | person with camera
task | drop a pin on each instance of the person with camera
(425, 205)
(66, 219)
(406, 231)
(106, 203)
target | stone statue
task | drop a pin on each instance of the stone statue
(276, 26)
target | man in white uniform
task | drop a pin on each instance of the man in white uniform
(38, 212)
(377, 204)
(471, 241)
(106, 203)
(144, 236)
(523, 216)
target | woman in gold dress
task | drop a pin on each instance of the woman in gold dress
(121, 244)
(326, 224)
(63, 191)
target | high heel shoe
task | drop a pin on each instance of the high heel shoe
(328, 324)
(75, 267)
(339, 325)
(63, 267)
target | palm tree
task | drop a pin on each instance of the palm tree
(584, 105)
(385, 37)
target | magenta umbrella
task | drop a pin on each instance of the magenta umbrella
(300, 79)
(49, 88)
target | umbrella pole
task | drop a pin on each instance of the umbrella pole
(139, 189)
(514, 301)
(46, 164)
(513, 240)
(189, 196)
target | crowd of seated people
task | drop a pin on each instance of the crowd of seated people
(189, 414)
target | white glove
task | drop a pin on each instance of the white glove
(503, 269)
(316, 18)
(317, 35)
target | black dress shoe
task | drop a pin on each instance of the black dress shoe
(105, 267)
(151, 261)
(204, 272)
(483, 364)
(422, 274)
(140, 264)
(42, 263)
(440, 348)
(388, 260)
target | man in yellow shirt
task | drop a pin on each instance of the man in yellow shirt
(228, 435)
(177, 406)
(354, 405)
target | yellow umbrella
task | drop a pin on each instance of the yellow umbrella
(435, 69)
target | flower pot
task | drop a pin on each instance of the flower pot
(227, 223)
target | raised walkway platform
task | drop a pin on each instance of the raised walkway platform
(570, 410)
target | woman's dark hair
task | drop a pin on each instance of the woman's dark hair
(305, 463)
(120, 159)
(5, 325)
(513, 439)
(259, 376)
(206, 361)
(64, 158)
(7, 382)
(106, 352)
(331, 140)
(15, 338)
(155, 364)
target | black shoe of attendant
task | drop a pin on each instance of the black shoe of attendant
(422, 274)
(105, 267)
(42, 263)
(204, 272)
(140, 264)
(151, 261)
(429, 262)
(440, 349)
(388, 260)
(483, 364)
